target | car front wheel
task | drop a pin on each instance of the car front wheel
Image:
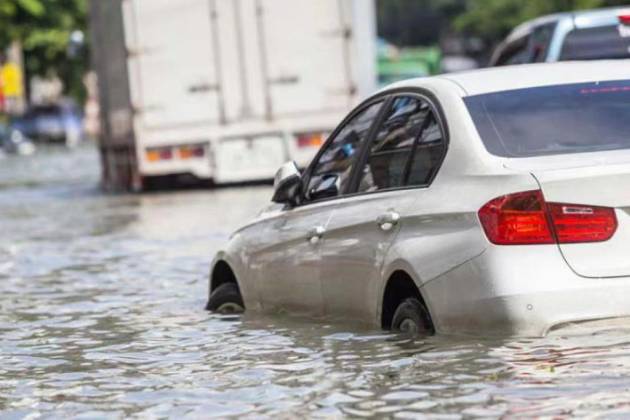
(226, 299)
(411, 317)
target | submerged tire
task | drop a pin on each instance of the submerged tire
(411, 317)
(226, 299)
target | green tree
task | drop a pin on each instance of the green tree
(493, 19)
(409, 22)
(44, 28)
(421, 22)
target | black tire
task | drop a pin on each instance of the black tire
(226, 299)
(411, 317)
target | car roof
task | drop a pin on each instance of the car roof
(579, 19)
(527, 27)
(599, 17)
(496, 79)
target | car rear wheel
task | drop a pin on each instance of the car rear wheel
(226, 299)
(411, 317)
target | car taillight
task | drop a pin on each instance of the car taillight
(517, 219)
(579, 224)
(624, 18)
(526, 219)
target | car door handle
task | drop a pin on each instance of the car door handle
(315, 235)
(388, 220)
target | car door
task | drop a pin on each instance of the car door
(402, 158)
(288, 266)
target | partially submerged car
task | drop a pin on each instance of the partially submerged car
(581, 35)
(495, 201)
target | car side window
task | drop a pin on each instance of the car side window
(393, 143)
(428, 153)
(516, 52)
(541, 39)
(331, 174)
(407, 150)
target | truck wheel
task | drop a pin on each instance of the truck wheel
(411, 317)
(226, 299)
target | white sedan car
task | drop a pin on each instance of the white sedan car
(489, 202)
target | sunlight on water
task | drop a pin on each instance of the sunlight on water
(101, 316)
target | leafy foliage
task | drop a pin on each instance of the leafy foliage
(421, 22)
(493, 19)
(43, 27)
(411, 22)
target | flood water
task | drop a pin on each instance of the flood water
(101, 316)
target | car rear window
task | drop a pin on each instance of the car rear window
(596, 43)
(573, 118)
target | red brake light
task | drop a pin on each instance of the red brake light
(199, 151)
(516, 219)
(526, 219)
(624, 19)
(579, 224)
(166, 154)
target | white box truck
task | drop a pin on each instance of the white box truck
(226, 90)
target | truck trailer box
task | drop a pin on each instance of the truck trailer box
(226, 90)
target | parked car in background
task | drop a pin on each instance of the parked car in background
(484, 202)
(53, 123)
(584, 35)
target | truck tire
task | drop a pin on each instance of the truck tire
(226, 299)
(411, 317)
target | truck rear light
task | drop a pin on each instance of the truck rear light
(158, 154)
(526, 219)
(189, 152)
(184, 152)
(310, 140)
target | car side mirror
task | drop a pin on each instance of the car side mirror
(328, 186)
(286, 184)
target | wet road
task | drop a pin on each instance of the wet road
(101, 315)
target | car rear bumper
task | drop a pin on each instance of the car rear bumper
(525, 291)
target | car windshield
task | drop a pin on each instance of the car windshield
(573, 118)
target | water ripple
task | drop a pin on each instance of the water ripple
(101, 316)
